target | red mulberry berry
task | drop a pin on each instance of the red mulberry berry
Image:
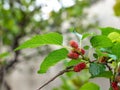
(80, 51)
(73, 55)
(73, 44)
(80, 67)
(114, 86)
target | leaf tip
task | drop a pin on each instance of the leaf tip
(40, 72)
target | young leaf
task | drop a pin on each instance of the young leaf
(53, 58)
(114, 36)
(108, 30)
(100, 41)
(116, 49)
(40, 40)
(90, 86)
(96, 69)
(85, 35)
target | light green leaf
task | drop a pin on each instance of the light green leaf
(40, 40)
(114, 36)
(86, 47)
(90, 86)
(108, 30)
(96, 69)
(2, 55)
(85, 35)
(116, 49)
(73, 62)
(53, 58)
(100, 41)
(100, 53)
(113, 57)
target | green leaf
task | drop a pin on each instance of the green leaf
(100, 53)
(53, 58)
(100, 41)
(116, 49)
(73, 62)
(85, 35)
(86, 47)
(95, 55)
(90, 86)
(108, 30)
(110, 88)
(40, 40)
(105, 74)
(2, 55)
(96, 69)
(114, 36)
(113, 57)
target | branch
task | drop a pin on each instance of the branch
(59, 74)
(110, 69)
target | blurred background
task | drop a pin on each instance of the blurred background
(22, 19)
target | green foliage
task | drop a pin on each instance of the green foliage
(2, 55)
(86, 47)
(100, 41)
(108, 30)
(106, 46)
(115, 49)
(73, 62)
(85, 35)
(90, 86)
(52, 58)
(96, 69)
(105, 74)
(73, 81)
(40, 40)
(18, 22)
(114, 36)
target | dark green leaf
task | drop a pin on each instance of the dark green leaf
(100, 41)
(96, 69)
(40, 40)
(108, 30)
(106, 74)
(95, 55)
(90, 86)
(116, 49)
(53, 58)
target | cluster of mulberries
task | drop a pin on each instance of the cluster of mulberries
(75, 53)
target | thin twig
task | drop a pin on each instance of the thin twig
(59, 74)
(110, 69)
